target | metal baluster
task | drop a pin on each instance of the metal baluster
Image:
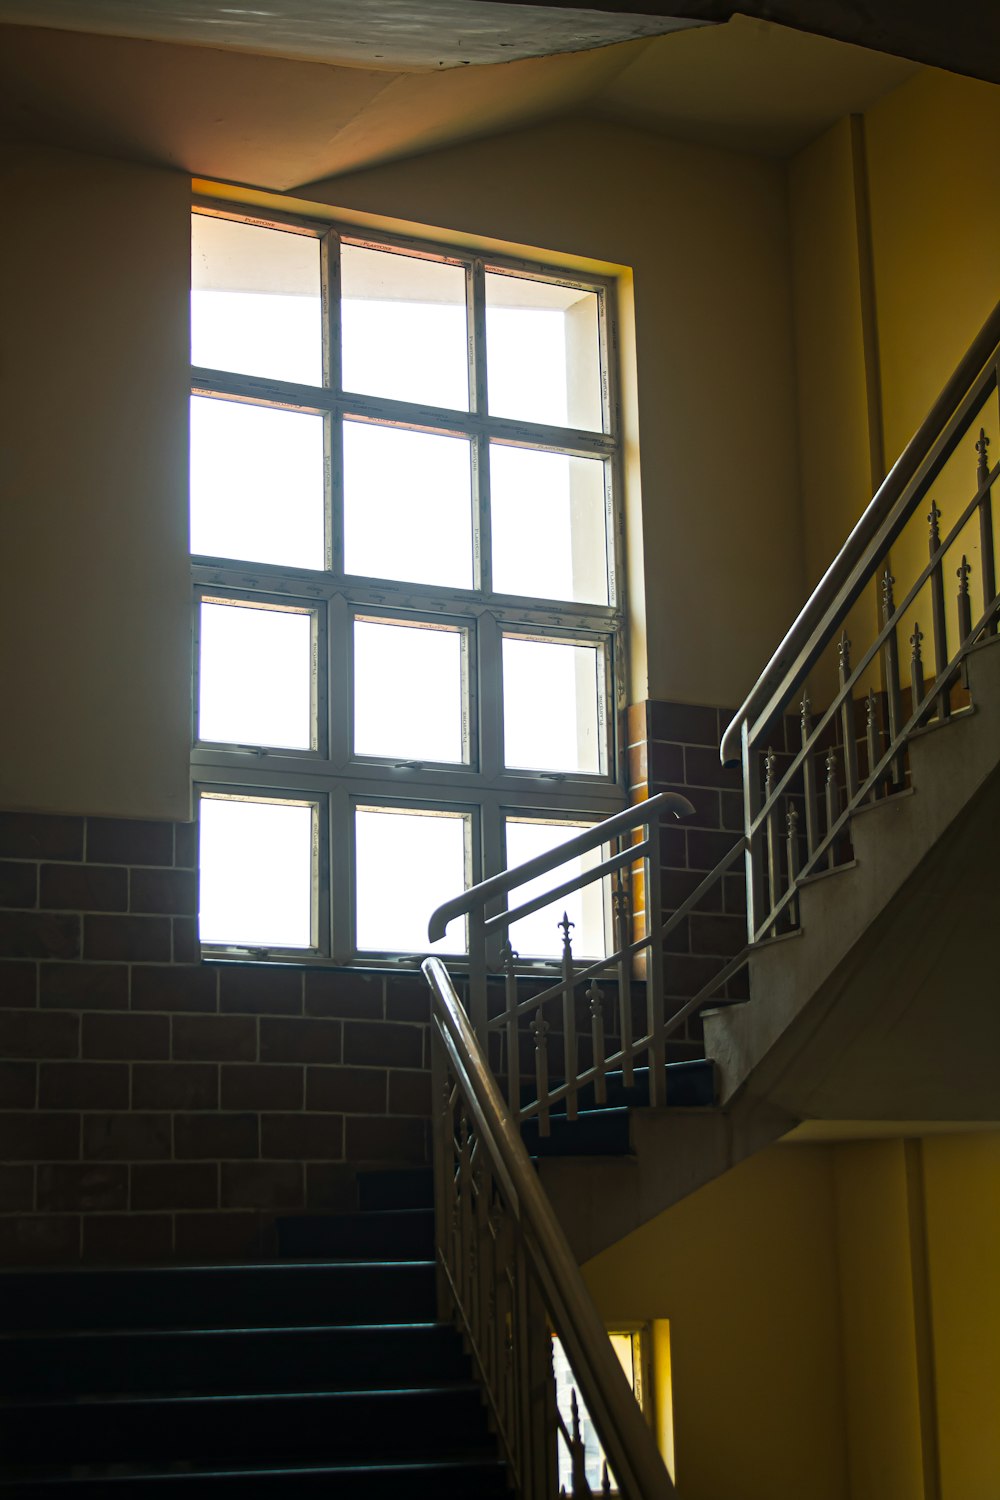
(605, 1479)
(916, 667)
(792, 821)
(597, 1040)
(832, 801)
(773, 851)
(507, 956)
(872, 736)
(808, 776)
(986, 529)
(847, 720)
(465, 1205)
(571, 1062)
(891, 662)
(938, 614)
(539, 1029)
(655, 983)
(623, 937)
(964, 613)
(581, 1489)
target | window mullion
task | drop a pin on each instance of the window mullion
(481, 446)
(340, 679)
(490, 698)
(333, 428)
(341, 897)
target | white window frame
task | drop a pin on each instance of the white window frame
(330, 772)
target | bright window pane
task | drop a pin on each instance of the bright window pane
(255, 301)
(408, 693)
(543, 361)
(255, 676)
(407, 505)
(538, 935)
(408, 864)
(257, 871)
(256, 483)
(566, 1384)
(552, 706)
(404, 328)
(547, 513)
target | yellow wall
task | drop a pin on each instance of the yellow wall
(95, 632)
(746, 1272)
(705, 233)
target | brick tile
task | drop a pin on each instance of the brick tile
(342, 993)
(127, 1239)
(173, 891)
(174, 988)
(384, 1043)
(187, 949)
(705, 848)
(18, 985)
(331, 1187)
(401, 1140)
(215, 1038)
(722, 935)
(738, 988)
(40, 836)
(266, 990)
(638, 764)
(39, 1137)
(83, 1085)
(38, 935)
(35, 1034)
(131, 939)
(408, 998)
(636, 720)
(300, 1040)
(347, 1090)
(17, 1189)
(174, 1185)
(84, 1188)
(686, 974)
(673, 848)
(213, 1136)
(732, 810)
(298, 1137)
(703, 768)
(249, 1086)
(410, 1093)
(18, 883)
(705, 801)
(219, 1236)
(175, 1086)
(83, 986)
(270, 1185)
(665, 764)
(186, 845)
(124, 841)
(83, 888)
(126, 1036)
(735, 894)
(40, 1240)
(126, 1137)
(688, 723)
(18, 1085)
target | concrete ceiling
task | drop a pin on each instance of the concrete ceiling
(278, 122)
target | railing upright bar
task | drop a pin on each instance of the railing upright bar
(890, 663)
(623, 919)
(987, 562)
(938, 620)
(654, 970)
(571, 1062)
(751, 807)
(512, 1032)
(847, 730)
(478, 1005)
(808, 774)
(771, 834)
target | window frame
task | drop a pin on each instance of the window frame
(483, 787)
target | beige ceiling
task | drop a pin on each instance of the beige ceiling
(277, 123)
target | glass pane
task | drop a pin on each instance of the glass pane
(256, 872)
(257, 483)
(404, 329)
(255, 676)
(553, 718)
(537, 935)
(407, 505)
(255, 301)
(407, 864)
(543, 353)
(408, 692)
(549, 538)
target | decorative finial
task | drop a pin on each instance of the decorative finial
(831, 767)
(564, 926)
(888, 603)
(508, 956)
(934, 517)
(792, 819)
(983, 466)
(915, 640)
(769, 764)
(805, 712)
(844, 653)
(595, 998)
(962, 574)
(871, 707)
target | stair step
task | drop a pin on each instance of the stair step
(322, 1426)
(403, 1187)
(245, 1360)
(402, 1234)
(219, 1296)
(450, 1479)
(688, 1085)
(598, 1132)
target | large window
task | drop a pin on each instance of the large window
(407, 599)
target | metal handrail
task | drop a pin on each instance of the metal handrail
(624, 1435)
(848, 573)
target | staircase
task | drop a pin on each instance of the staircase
(326, 1376)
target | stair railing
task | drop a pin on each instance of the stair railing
(594, 1010)
(507, 1276)
(806, 773)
